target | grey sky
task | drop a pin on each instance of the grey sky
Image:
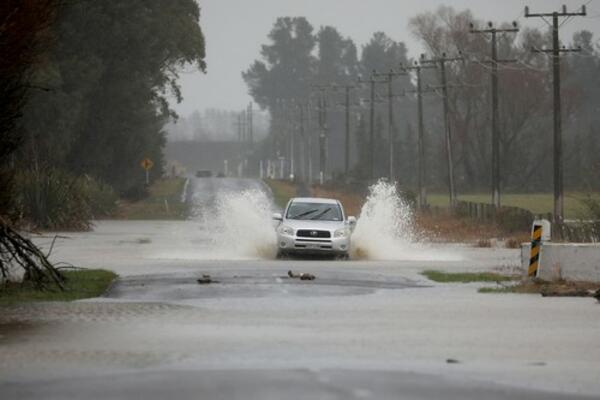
(235, 30)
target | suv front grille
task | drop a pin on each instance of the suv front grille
(313, 233)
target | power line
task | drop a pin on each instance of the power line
(347, 90)
(390, 75)
(422, 176)
(323, 142)
(556, 52)
(441, 62)
(495, 61)
(372, 81)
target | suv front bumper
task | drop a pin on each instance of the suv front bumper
(293, 244)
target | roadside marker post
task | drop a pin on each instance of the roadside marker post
(540, 232)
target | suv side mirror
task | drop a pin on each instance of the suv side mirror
(277, 216)
(352, 220)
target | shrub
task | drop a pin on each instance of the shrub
(135, 193)
(55, 199)
(592, 206)
(513, 243)
(101, 197)
(484, 243)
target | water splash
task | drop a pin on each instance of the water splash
(385, 229)
(243, 226)
(385, 226)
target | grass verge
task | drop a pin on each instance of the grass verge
(282, 191)
(465, 277)
(351, 201)
(537, 203)
(80, 284)
(162, 203)
(548, 289)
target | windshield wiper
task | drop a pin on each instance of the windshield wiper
(304, 213)
(319, 215)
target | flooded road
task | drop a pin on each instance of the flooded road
(361, 329)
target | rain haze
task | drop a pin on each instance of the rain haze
(271, 199)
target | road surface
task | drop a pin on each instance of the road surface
(362, 329)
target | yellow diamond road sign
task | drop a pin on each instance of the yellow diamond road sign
(147, 164)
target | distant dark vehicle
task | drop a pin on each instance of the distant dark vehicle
(220, 175)
(203, 173)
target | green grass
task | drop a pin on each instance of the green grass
(537, 203)
(80, 284)
(465, 277)
(282, 191)
(498, 289)
(153, 207)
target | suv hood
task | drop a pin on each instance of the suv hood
(317, 225)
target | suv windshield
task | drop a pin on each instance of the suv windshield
(314, 211)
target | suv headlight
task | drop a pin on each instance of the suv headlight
(341, 233)
(285, 230)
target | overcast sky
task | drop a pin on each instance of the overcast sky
(235, 30)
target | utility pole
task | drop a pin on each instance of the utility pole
(289, 139)
(250, 114)
(441, 61)
(347, 138)
(241, 126)
(556, 51)
(292, 141)
(372, 132)
(495, 132)
(309, 141)
(372, 81)
(390, 75)
(282, 135)
(277, 133)
(302, 137)
(422, 176)
(323, 142)
(347, 91)
(322, 136)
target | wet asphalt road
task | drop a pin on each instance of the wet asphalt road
(271, 385)
(362, 329)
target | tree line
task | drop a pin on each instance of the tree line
(213, 124)
(296, 60)
(95, 94)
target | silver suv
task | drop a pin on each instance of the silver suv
(314, 225)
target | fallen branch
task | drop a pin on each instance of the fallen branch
(15, 249)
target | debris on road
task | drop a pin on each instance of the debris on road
(303, 276)
(538, 364)
(205, 280)
(452, 361)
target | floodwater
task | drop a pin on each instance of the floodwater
(371, 327)
(234, 221)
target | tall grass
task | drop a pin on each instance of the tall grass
(54, 199)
